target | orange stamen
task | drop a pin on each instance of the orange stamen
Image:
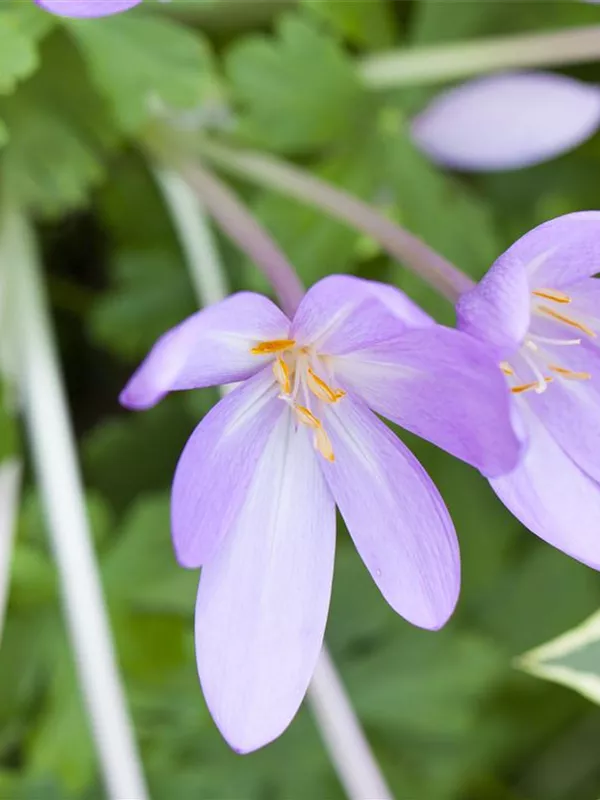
(281, 371)
(569, 374)
(323, 444)
(274, 346)
(506, 368)
(307, 417)
(321, 390)
(552, 294)
(525, 387)
(549, 312)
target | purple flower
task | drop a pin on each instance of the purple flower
(255, 489)
(507, 121)
(539, 310)
(86, 8)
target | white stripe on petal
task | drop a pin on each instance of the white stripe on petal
(263, 600)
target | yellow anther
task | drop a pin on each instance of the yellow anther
(506, 368)
(525, 387)
(306, 417)
(321, 390)
(569, 374)
(323, 444)
(549, 312)
(274, 346)
(281, 371)
(552, 294)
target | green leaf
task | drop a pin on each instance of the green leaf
(298, 90)
(141, 568)
(61, 744)
(144, 64)
(145, 446)
(572, 659)
(58, 138)
(151, 294)
(18, 51)
(367, 23)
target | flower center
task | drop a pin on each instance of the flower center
(304, 378)
(535, 366)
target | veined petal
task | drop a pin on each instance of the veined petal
(400, 304)
(554, 255)
(585, 295)
(561, 251)
(395, 515)
(442, 385)
(86, 8)
(216, 467)
(341, 313)
(497, 310)
(263, 601)
(570, 409)
(552, 497)
(211, 347)
(507, 121)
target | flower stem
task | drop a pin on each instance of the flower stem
(10, 484)
(447, 62)
(54, 455)
(339, 726)
(267, 171)
(195, 236)
(345, 739)
(241, 226)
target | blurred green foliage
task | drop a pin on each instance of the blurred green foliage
(449, 717)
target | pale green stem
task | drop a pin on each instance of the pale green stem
(414, 254)
(10, 490)
(344, 738)
(55, 459)
(447, 62)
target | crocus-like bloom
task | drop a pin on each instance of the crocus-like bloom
(538, 308)
(507, 121)
(255, 489)
(86, 8)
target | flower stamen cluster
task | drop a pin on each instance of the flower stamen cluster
(296, 371)
(533, 354)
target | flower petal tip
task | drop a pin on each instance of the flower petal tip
(507, 121)
(136, 397)
(82, 9)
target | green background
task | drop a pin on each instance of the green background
(81, 104)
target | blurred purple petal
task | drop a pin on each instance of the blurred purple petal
(211, 347)
(263, 601)
(507, 121)
(552, 497)
(443, 386)
(86, 8)
(341, 313)
(395, 515)
(570, 409)
(217, 465)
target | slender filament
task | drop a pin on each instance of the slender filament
(549, 312)
(552, 294)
